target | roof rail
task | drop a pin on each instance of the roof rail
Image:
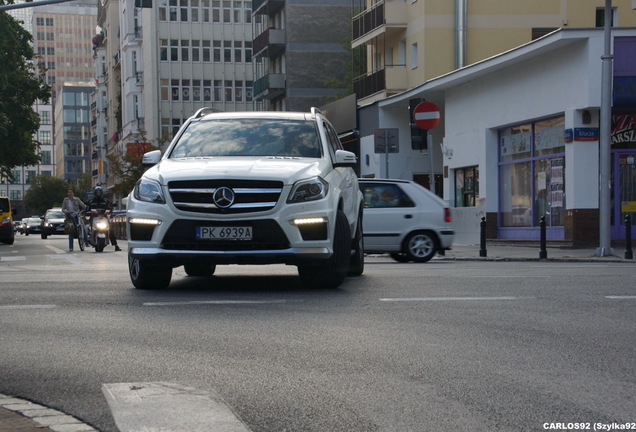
(206, 110)
(315, 111)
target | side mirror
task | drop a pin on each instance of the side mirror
(151, 158)
(345, 158)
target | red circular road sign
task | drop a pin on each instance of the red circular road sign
(427, 115)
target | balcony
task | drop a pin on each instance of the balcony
(270, 43)
(270, 86)
(267, 7)
(382, 19)
(390, 80)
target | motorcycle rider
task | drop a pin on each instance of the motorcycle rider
(99, 202)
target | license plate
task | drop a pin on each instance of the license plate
(224, 233)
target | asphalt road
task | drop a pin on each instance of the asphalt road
(444, 346)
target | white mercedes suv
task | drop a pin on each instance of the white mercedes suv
(247, 188)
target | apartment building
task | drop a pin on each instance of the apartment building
(298, 47)
(406, 43)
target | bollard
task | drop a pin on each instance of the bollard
(628, 238)
(482, 250)
(543, 253)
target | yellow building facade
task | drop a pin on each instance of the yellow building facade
(404, 43)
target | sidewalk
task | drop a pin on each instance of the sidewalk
(529, 252)
(19, 415)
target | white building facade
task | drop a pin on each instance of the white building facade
(519, 138)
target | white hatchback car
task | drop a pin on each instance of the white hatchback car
(404, 219)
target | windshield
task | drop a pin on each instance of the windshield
(55, 215)
(249, 137)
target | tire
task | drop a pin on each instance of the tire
(148, 276)
(400, 257)
(80, 239)
(330, 273)
(100, 245)
(420, 246)
(356, 262)
(199, 270)
(44, 236)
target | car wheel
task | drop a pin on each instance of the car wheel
(145, 275)
(199, 270)
(400, 257)
(420, 246)
(330, 273)
(356, 263)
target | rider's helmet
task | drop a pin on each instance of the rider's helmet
(98, 191)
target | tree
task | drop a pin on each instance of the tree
(45, 192)
(128, 168)
(21, 85)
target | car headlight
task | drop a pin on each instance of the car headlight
(6, 220)
(308, 190)
(149, 191)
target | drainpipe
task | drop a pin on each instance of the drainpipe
(460, 30)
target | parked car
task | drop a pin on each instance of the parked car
(52, 222)
(247, 188)
(33, 225)
(404, 219)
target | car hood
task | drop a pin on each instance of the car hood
(289, 170)
(55, 220)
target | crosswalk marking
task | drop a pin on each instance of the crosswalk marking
(168, 407)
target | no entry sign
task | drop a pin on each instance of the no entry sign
(426, 115)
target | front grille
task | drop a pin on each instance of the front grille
(266, 235)
(249, 196)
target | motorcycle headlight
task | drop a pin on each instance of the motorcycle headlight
(308, 190)
(102, 225)
(149, 191)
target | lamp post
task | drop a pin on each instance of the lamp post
(604, 141)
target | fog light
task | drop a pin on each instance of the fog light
(309, 221)
(144, 221)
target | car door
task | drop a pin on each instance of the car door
(388, 215)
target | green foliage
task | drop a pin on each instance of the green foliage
(127, 168)
(21, 85)
(44, 193)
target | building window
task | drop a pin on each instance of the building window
(15, 195)
(45, 157)
(414, 55)
(29, 176)
(532, 173)
(45, 137)
(163, 50)
(45, 117)
(466, 186)
(600, 17)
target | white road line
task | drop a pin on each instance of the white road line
(162, 406)
(56, 250)
(427, 299)
(621, 297)
(13, 258)
(27, 306)
(214, 302)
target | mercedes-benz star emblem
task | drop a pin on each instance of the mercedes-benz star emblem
(223, 197)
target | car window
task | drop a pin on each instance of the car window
(55, 215)
(384, 196)
(248, 137)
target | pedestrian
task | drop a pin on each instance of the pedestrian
(71, 207)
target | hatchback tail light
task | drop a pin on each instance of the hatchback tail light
(447, 215)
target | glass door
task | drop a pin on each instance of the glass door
(624, 191)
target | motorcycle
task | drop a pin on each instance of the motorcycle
(98, 230)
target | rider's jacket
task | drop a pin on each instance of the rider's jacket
(98, 203)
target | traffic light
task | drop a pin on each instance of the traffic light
(418, 135)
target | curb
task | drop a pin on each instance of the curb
(41, 418)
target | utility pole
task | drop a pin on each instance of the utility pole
(605, 139)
